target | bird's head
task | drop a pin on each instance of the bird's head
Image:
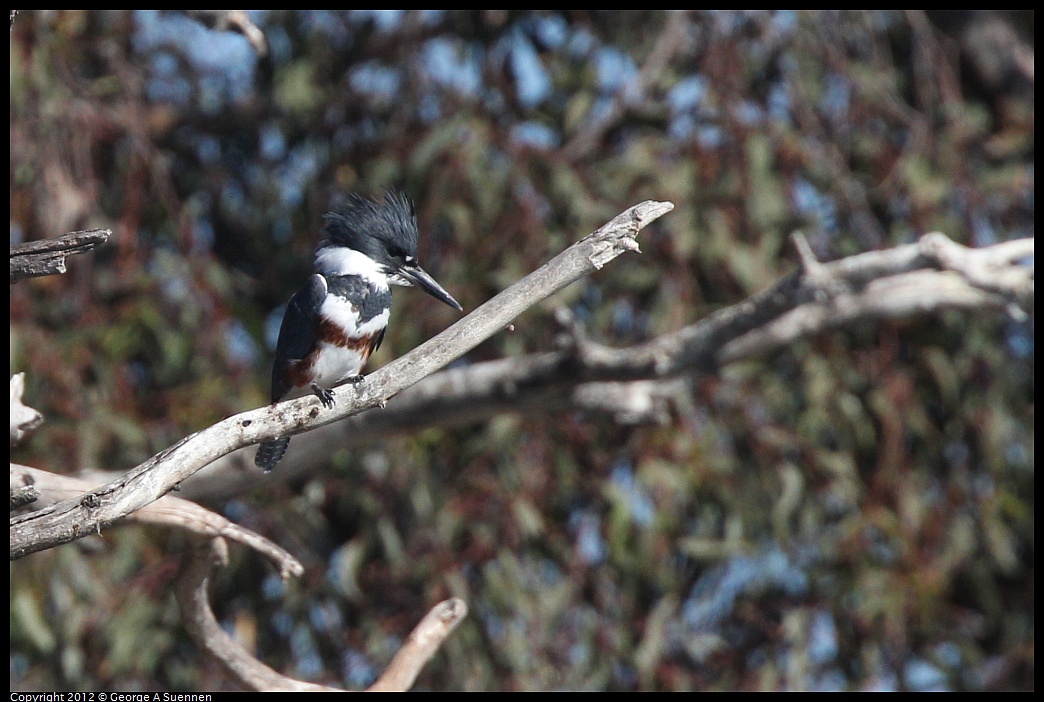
(377, 240)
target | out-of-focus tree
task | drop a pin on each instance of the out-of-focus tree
(853, 512)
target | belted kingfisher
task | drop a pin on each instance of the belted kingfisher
(333, 324)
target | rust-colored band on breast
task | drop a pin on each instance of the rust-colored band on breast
(333, 334)
(300, 373)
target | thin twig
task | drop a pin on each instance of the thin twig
(423, 642)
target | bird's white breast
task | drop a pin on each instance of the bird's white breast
(345, 315)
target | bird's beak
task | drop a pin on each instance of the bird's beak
(419, 276)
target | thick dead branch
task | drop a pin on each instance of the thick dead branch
(191, 594)
(71, 519)
(47, 257)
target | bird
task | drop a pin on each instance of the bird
(338, 319)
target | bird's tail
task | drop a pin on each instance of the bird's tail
(270, 453)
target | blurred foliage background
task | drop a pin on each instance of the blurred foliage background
(854, 513)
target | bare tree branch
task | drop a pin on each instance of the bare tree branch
(167, 511)
(74, 518)
(191, 593)
(421, 645)
(646, 380)
(47, 256)
(210, 550)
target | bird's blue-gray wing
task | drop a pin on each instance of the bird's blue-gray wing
(297, 333)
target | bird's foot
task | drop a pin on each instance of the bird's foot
(355, 379)
(325, 395)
